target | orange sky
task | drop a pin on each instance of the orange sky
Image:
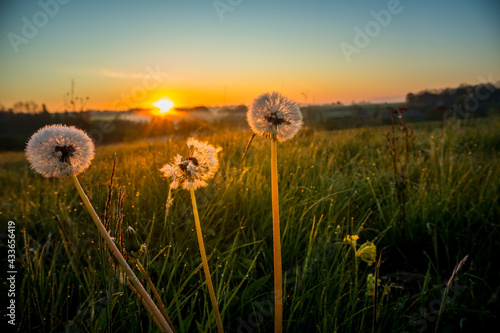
(128, 54)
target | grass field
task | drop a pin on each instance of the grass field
(331, 184)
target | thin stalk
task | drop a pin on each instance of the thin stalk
(241, 161)
(155, 292)
(142, 301)
(246, 150)
(354, 288)
(70, 249)
(167, 207)
(278, 291)
(205, 264)
(162, 324)
(150, 230)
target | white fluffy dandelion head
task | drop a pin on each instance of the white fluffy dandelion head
(274, 116)
(59, 150)
(193, 171)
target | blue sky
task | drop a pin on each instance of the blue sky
(106, 47)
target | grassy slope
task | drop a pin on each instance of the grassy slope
(331, 184)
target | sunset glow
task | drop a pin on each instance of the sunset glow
(164, 105)
(329, 52)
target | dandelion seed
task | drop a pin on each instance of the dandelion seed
(59, 150)
(274, 116)
(193, 171)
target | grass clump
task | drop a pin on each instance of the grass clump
(332, 184)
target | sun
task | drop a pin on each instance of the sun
(164, 105)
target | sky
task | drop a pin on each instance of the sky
(124, 54)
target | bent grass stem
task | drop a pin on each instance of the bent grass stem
(155, 292)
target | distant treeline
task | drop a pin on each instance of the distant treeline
(16, 128)
(465, 101)
(473, 100)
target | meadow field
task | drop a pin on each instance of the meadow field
(439, 205)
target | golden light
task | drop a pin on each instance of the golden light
(164, 105)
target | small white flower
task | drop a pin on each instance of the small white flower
(274, 116)
(59, 150)
(193, 171)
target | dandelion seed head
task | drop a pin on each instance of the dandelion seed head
(193, 171)
(59, 150)
(274, 116)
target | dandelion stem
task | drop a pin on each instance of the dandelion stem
(205, 264)
(162, 324)
(278, 292)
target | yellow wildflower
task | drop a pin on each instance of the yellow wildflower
(367, 252)
(370, 284)
(352, 240)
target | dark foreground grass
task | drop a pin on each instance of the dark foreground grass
(332, 184)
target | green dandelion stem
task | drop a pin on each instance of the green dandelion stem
(205, 264)
(162, 324)
(278, 292)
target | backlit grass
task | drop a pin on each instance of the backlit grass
(332, 184)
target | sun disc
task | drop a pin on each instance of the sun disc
(164, 105)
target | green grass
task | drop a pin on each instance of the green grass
(332, 184)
